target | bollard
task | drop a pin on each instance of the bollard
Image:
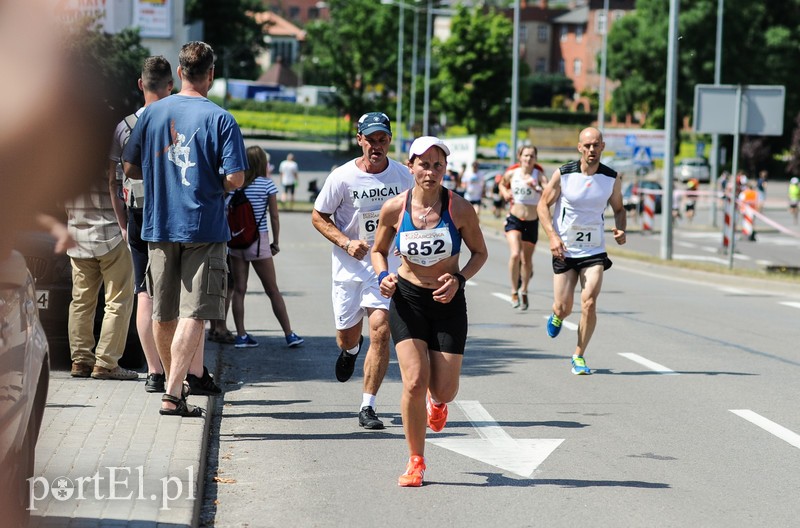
(726, 228)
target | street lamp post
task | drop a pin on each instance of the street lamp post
(399, 119)
(715, 137)
(601, 111)
(400, 35)
(430, 11)
(426, 101)
(411, 113)
(515, 81)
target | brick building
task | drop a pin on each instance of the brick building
(299, 12)
(578, 40)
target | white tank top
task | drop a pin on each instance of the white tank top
(523, 187)
(578, 216)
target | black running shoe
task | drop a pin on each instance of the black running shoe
(155, 383)
(368, 419)
(203, 386)
(346, 363)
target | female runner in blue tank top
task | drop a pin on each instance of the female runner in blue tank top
(428, 312)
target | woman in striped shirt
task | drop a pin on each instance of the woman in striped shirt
(262, 193)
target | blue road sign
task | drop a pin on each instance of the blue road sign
(700, 149)
(502, 149)
(642, 156)
(630, 140)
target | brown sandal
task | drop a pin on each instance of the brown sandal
(181, 407)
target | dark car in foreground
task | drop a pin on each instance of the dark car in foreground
(24, 378)
(52, 274)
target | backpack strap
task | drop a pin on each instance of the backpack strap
(132, 190)
(258, 224)
(130, 121)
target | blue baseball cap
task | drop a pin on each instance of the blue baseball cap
(372, 122)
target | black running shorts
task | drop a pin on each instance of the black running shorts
(413, 314)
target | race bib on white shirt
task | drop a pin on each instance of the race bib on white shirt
(524, 188)
(584, 236)
(368, 225)
(426, 247)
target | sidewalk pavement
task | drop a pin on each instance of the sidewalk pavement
(106, 457)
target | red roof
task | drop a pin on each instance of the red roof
(278, 26)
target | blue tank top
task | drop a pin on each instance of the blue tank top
(426, 247)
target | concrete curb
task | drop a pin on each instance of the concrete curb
(92, 428)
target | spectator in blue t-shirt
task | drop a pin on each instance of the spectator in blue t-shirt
(189, 152)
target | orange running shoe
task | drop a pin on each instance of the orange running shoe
(437, 414)
(415, 470)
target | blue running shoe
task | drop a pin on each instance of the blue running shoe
(553, 325)
(245, 341)
(579, 366)
(292, 340)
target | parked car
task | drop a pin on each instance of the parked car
(697, 168)
(632, 198)
(491, 165)
(24, 378)
(627, 166)
(52, 276)
(489, 176)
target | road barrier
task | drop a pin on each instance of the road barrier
(747, 221)
(648, 211)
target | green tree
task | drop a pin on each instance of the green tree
(793, 167)
(355, 52)
(474, 77)
(114, 62)
(760, 43)
(538, 90)
(229, 27)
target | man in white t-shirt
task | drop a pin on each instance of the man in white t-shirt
(289, 172)
(346, 213)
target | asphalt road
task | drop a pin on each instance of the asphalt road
(689, 419)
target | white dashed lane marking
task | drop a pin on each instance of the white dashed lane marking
(792, 304)
(768, 425)
(652, 365)
(733, 291)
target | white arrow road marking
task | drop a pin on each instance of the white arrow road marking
(652, 365)
(768, 425)
(495, 447)
(792, 304)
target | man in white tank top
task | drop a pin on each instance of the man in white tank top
(580, 191)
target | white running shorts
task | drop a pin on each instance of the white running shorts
(352, 299)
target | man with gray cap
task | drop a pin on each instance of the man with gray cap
(346, 213)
